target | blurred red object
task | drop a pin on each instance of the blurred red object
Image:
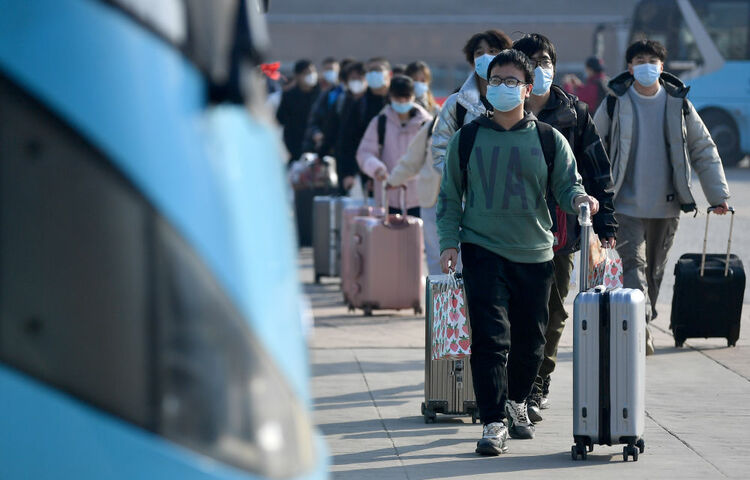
(271, 70)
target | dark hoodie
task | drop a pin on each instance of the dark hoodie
(506, 211)
(571, 117)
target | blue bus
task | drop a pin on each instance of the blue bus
(708, 45)
(150, 309)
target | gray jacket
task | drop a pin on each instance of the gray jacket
(447, 123)
(689, 145)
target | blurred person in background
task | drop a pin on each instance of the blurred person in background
(377, 155)
(595, 89)
(398, 69)
(296, 103)
(655, 138)
(469, 102)
(422, 76)
(343, 146)
(570, 116)
(378, 79)
(324, 108)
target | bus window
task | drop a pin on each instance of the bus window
(728, 23)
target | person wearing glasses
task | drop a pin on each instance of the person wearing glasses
(505, 239)
(570, 116)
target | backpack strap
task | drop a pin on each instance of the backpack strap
(460, 114)
(466, 137)
(549, 148)
(611, 101)
(381, 132)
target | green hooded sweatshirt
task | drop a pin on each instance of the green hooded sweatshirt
(506, 210)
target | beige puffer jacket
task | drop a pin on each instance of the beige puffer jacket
(689, 145)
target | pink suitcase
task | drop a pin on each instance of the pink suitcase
(347, 272)
(387, 262)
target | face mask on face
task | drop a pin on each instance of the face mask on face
(420, 89)
(504, 98)
(542, 80)
(356, 86)
(401, 107)
(376, 79)
(311, 79)
(331, 76)
(481, 64)
(646, 74)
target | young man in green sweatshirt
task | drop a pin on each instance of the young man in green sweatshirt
(506, 243)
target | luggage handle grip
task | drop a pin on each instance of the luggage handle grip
(384, 200)
(584, 219)
(729, 240)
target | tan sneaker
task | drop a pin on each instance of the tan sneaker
(649, 342)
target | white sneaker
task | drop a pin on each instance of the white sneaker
(519, 424)
(494, 438)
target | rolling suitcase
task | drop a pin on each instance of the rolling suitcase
(327, 219)
(387, 262)
(448, 386)
(609, 364)
(708, 293)
(349, 213)
(310, 177)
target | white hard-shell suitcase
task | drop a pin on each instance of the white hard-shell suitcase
(609, 364)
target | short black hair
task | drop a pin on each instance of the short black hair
(595, 64)
(532, 43)
(648, 47)
(494, 38)
(401, 86)
(356, 67)
(301, 65)
(343, 65)
(398, 69)
(381, 60)
(516, 58)
(329, 60)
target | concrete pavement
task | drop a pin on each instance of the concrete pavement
(368, 385)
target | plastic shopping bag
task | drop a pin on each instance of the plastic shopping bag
(450, 324)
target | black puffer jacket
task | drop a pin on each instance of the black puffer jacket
(571, 117)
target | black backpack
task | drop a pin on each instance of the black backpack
(468, 134)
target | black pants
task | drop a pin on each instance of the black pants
(412, 212)
(508, 311)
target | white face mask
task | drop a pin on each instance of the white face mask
(420, 89)
(311, 79)
(331, 76)
(542, 80)
(356, 86)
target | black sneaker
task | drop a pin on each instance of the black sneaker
(544, 402)
(494, 439)
(533, 408)
(519, 425)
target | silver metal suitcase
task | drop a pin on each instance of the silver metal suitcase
(327, 213)
(448, 387)
(609, 365)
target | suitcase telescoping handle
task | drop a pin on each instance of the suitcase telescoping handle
(384, 199)
(729, 241)
(584, 218)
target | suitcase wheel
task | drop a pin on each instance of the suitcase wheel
(368, 310)
(317, 278)
(418, 310)
(641, 445)
(474, 417)
(630, 451)
(731, 343)
(579, 449)
(679, 342)
(429, 415)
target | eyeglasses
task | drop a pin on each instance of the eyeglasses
(542, 62)
(511, 82)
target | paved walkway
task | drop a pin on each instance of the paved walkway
(368, 384)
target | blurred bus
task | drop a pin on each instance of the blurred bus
(708, 47)
(150, 310)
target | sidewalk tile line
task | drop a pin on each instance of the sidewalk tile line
(686, 444)
(380, 416)
(706, 355)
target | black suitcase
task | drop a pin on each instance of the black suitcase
(708, 294)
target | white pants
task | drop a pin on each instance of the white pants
(431, 240)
